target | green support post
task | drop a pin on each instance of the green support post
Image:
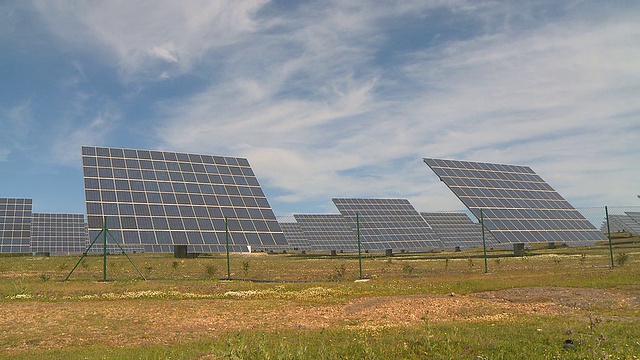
(606, 213)
(104, 249)
(359, 244)
(104, 232)
(226, 233)
(484, 245)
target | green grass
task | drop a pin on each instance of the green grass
(530, 338)
(599, 330)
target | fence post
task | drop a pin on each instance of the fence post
(359, 243)
(484, 245)
(606, 214)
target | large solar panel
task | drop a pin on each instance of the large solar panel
(58, 233)
(158, 199)
(15, 225)
(457, 229)
(388, 224)
(635, 216)
(621, 223)
(294, 235)
(517, 205)
(327, 232)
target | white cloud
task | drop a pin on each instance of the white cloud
(326, 101)
(137, 34)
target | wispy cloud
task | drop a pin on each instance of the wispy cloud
(146, 38)
(335, 99)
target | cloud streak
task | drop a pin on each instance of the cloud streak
(334, 99)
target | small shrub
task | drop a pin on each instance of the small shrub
(446, 263)
(408, 269)
(211, 270)
(84, 264)
(45, 277)
(245, 268)
(622, 259)
(339, 271)
(497, 261)
(175, 265)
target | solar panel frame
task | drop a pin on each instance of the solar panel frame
(58, 233)
(295, 236)
(326, 232)
(456, 229)
(622, 223)
(15, 225)
(518, 205)
(159, 198)
(388, 224)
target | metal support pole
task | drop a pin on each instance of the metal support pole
(104, 249)
(104, 232)
(226, 233)
(359, 244)
(127, 255)
(84, 254)
(606, 213)
(484, 244)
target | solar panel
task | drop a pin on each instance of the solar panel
(327, 232)
(158, 199)
(15, 225)
(295, 236)
(635, 216)
(457, 229)
(388, 224)
(58, 233)
(621, 223)
(517, 205)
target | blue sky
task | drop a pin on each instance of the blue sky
(325, 98)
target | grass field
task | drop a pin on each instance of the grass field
(439, 305)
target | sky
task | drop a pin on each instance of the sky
(325, 98)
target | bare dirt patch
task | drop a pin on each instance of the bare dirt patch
(126, 322)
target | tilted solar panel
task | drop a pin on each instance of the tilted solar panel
(158, 199)
(457, 229)
(388, 224)
(517, 205)
(59, 233)
(295, 236)
(15, 225)
(326, 232)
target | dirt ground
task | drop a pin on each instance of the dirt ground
(125, 322)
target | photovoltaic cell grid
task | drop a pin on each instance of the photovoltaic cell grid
(517, 205)
(388, 224)
(457, 229)
(635, 216)
(159, 198)
(326, 232)
(15, 225)
(58, 233)
(619, 223)
(295, 236)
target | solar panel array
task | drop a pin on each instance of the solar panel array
(517, 205)
(621, 223)
(457, 229)
(158, 198)
(388, 224)
(58, 233)
(635, 216)
(15, 225)
(296, 238)
(328, 232)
